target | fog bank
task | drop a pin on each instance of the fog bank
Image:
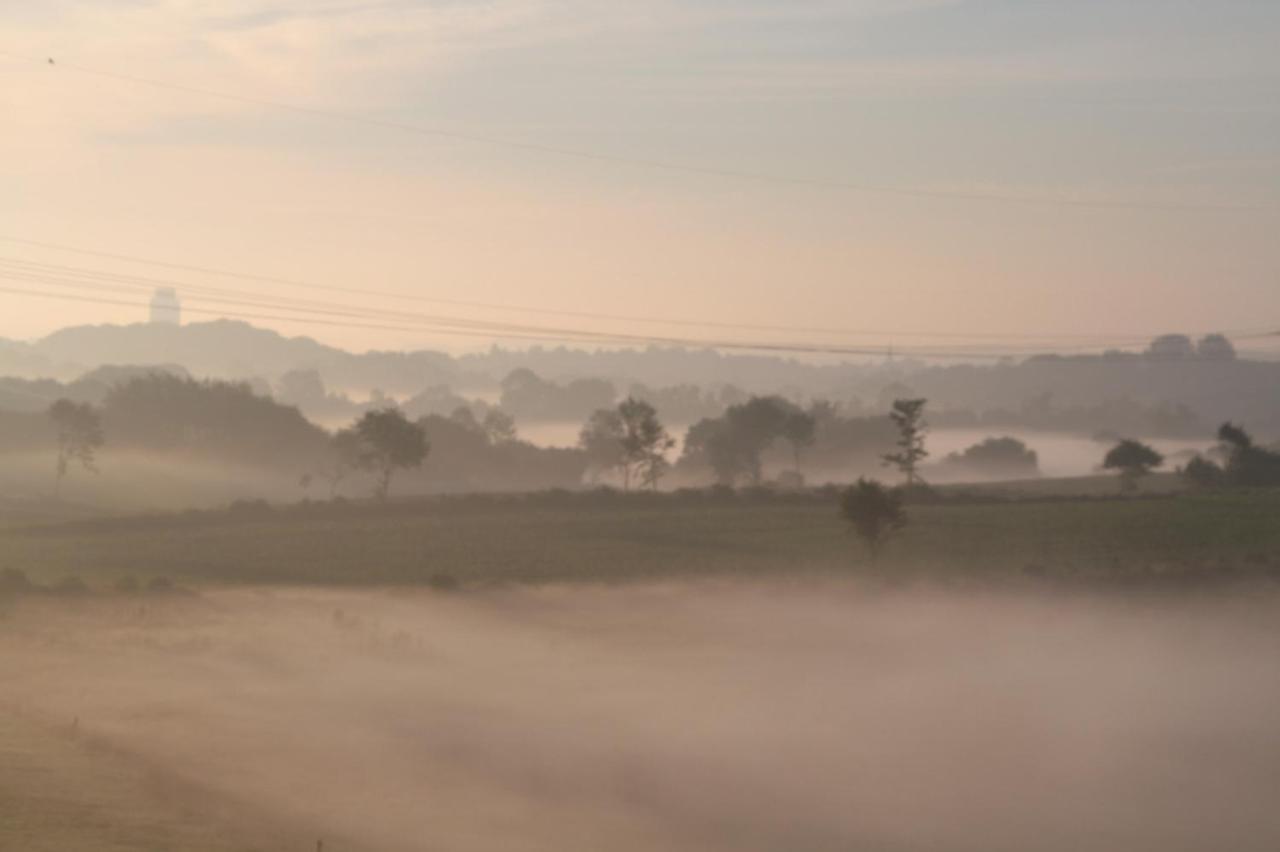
(713, 716)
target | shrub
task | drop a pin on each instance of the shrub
(161, 586)
(1202, 473)
(71, 587)
(127, 585)
(873, 511)
(249, 509)
(443, 582)
(13, 581)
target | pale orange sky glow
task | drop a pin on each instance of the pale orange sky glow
(1145, 135)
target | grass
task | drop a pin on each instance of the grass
(59, 793)
(586, 538)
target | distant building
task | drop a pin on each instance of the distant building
(165, 306)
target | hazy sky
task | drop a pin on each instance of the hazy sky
(1172, 106)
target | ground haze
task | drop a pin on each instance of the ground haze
(816, 714)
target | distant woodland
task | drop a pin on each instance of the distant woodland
(226, 391)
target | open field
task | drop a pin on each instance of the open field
(747, 683)
(710, 715)
(636, 537)
(61, 790)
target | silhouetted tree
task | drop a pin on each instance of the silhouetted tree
(873, 512)
(302, 388)
(1202, 473)
(79, 436)
(464, 417)
(220, 420)
(1134, 460)
(388, 441)
(1216, 347)
(908, 417)
(1247, 463)
(1004, 457)
(1234, 437)
(343, 458)
(601, 440)
(499, 427)
(1171, 347)
(800, 430)
(528, 396)
(753, 427)
(732, 445)
(645, 442)
(708, 441)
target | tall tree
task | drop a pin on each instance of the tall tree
(342, 457)
(1134, 460)
(645, 442)
(79, 437)
(499, 426)
(908, 417)
(1247, 463)
(389, 441)
(800, 430)
(601, 440)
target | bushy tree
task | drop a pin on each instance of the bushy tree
(499, 427)
(800, 429)
(645, 442)
(1202, 473)
(873, 511)
(342, 458)
(1171, 347)
(733, 444)
(1216, 347)
(1247, 463)
(1134, 460)
(389, 441)
(211, 419)
(528, 396)
(1003, 457)
(601, 440)
(79, 436)
(629, 438)
(908, 416)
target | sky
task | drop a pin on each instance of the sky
(889, 171)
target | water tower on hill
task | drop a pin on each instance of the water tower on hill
(166, 308)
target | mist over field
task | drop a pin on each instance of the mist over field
(811, 714)
(676, 426)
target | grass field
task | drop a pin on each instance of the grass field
(569, 714)
(584, 538)
(59, 793)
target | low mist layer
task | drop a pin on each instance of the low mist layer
(710, 716)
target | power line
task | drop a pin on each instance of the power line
(464, 332)
(685, 322)
(648, 163)
(786, 348)
(90, 279)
